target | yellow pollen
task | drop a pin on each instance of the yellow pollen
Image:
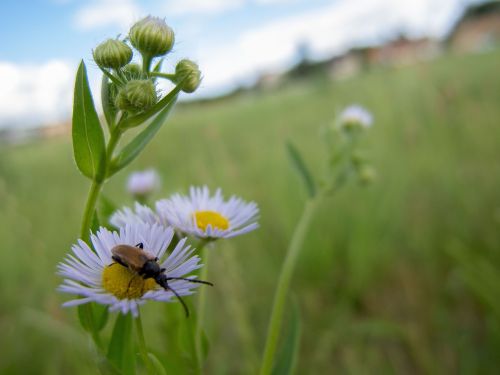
(124, 283)
(205, 218)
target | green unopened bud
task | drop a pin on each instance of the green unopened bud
(187, 71)
(132, 71)
(137, 95)
(367, 174)
(152, 37)
(112, 54)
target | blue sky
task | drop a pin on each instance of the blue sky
(232, 40)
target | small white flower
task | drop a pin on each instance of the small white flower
(197, 214)
(355, 115)
(140, 214)
(205, 216)
(95, 277)
(143, 183)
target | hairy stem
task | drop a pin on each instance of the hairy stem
(284, 284)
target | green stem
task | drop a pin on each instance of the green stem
(202, 304)
(95, 189)
(146, 63)
(284, 284)
(88, 213)
(142, 344)
(164, 75)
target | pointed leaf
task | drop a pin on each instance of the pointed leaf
(286, 360)
(121, 350)
(301, 168)
(134, 148)
(88, 137)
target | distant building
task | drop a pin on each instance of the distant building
(269, 81)
(477, 30)
(349, 64)
(401, 51)
(404, 51)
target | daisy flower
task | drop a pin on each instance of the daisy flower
(204, 216)
(355, 116)
(96, 277)
(140, 214)
(143, 183)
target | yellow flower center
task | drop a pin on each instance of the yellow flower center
(205, 218)
(124, 283)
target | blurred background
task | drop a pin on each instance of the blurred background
(398, 277)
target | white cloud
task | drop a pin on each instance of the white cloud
(35, 94)
(102, 13)
(187, 7)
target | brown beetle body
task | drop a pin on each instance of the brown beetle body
(133, 257)
(144, 263)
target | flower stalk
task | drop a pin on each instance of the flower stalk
(285, 277)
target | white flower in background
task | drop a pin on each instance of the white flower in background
(95, 277)
(143, 183)
(355, 116)
(205, 216)
(140, 214)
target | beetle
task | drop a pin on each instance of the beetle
(146, 265)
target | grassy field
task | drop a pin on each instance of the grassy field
(399, 277)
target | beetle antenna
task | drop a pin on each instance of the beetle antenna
(190, 280)
(162, 280)
(181, 301)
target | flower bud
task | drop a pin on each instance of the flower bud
(137, 95)
(187, 71)
(355, 117)
(112, 54)
(152, 37)
(132, 71)
(367, 174)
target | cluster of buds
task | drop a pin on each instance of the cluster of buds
(346, 158)
(132, 88)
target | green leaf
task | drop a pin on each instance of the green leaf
(93, 316)
(121, 349)
(107, 106)
(287, 358)
(157, 67)
(158, 367)
(301, 168)
(85, 317)
(101, 314)
(143, 117)
(134, 148)
(88, 137)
